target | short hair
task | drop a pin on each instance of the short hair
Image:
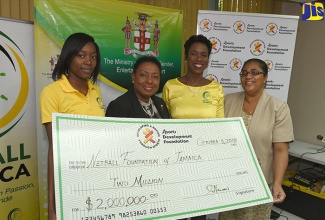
(200, 39)
(260, 62)
(71, 47)
(146, 59)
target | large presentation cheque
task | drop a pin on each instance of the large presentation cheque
(114, 168)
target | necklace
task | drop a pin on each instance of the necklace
(147, 108)
(249, 112)
(194, 92)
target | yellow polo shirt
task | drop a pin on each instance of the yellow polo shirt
(182, 103)
(61, 97)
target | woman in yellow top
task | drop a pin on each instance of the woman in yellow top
(192, 95)
(73, 92)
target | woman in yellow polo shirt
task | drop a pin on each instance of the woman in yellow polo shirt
(73, 92)
(192, 95)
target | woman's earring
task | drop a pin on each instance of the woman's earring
(132, 81)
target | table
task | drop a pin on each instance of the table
(297, 201)
(297, 148)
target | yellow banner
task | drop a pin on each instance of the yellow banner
(18, 152)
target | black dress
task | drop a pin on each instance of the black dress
(128, 106)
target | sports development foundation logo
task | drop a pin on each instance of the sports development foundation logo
(239, 27)
(149, 136)
(235, 64)
(269, 65)
(205, 25)
(257, 47)
(212, 77)
(271, 29)
(216, 45)
(12, 72)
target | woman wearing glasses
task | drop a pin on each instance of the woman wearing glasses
(269, 125)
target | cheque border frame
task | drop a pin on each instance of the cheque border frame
(59, 117)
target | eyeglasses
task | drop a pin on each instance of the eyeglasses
(253, 73)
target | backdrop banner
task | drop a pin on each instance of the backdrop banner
(124, 32)
(18, 151)
(237, 37)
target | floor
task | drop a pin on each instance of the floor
(286, 215)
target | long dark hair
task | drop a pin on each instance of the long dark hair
(71, 47)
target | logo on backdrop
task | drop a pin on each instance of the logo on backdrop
(13, 73)
(205, 25)
(145, 36)
(216, 45)
(239, 27)
(235, 64)
(148, 136)
(312, 11)
(271, 29)
(212, 77)
(257, 47)
(269, 65)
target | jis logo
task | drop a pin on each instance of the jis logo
(312, 11)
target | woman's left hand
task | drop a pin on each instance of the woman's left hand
(278, 194)
(280, 163)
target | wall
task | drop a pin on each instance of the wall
(17, 9)
(307, 90)
(23, 10)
